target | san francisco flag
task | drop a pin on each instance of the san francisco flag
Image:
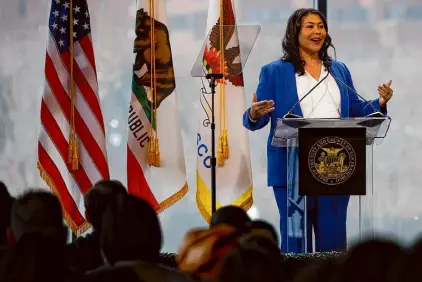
(71, 146)
(234, 180)
(155, 159)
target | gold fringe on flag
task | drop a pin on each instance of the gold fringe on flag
(77, 230)
(154, 148)
(73, 157)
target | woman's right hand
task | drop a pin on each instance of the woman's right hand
(260, 109)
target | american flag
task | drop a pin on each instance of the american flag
(53, 145)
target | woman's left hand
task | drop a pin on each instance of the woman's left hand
(385, 92)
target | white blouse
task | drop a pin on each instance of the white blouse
(324, 101)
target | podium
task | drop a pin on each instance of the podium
(329, 160)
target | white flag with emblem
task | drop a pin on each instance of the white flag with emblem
(155, 159)
(234, 178)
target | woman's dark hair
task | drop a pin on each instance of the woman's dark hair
(291, 40)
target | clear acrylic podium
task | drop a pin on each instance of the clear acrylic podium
(360, 206)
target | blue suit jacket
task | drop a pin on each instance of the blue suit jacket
(277, 82)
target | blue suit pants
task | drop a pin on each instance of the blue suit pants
(326, 216)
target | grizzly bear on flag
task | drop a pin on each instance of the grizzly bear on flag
(143, 72)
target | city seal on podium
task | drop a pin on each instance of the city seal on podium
(332, 160)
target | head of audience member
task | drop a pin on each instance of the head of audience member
(230, 215)
(319, 271)
(203, 250)
(6, 202)
(264, 229)
(254, 258)
(131, 231)
(408, 268)
(99, 197)
(39, 236)
(373, 260)
(38, 214)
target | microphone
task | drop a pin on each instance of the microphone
(289, 113)
(376, 113)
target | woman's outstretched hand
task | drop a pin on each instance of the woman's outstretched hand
(261, 108)
(385, 92)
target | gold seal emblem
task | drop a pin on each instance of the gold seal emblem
(332, 160)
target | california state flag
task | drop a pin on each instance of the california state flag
(155, 160)
(234, 180)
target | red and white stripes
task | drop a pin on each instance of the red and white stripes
(53, 143)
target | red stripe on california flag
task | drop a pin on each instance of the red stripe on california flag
(62, 146)
(137, 184)
(60, 186)
(86, 45)
(82, 130)
(86, 90)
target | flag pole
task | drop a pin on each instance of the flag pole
(212, 80)
(154, 146)
(73, 158)
(213, 77)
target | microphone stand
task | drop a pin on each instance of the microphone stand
(212, 80)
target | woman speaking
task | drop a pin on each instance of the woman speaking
(306, 64)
